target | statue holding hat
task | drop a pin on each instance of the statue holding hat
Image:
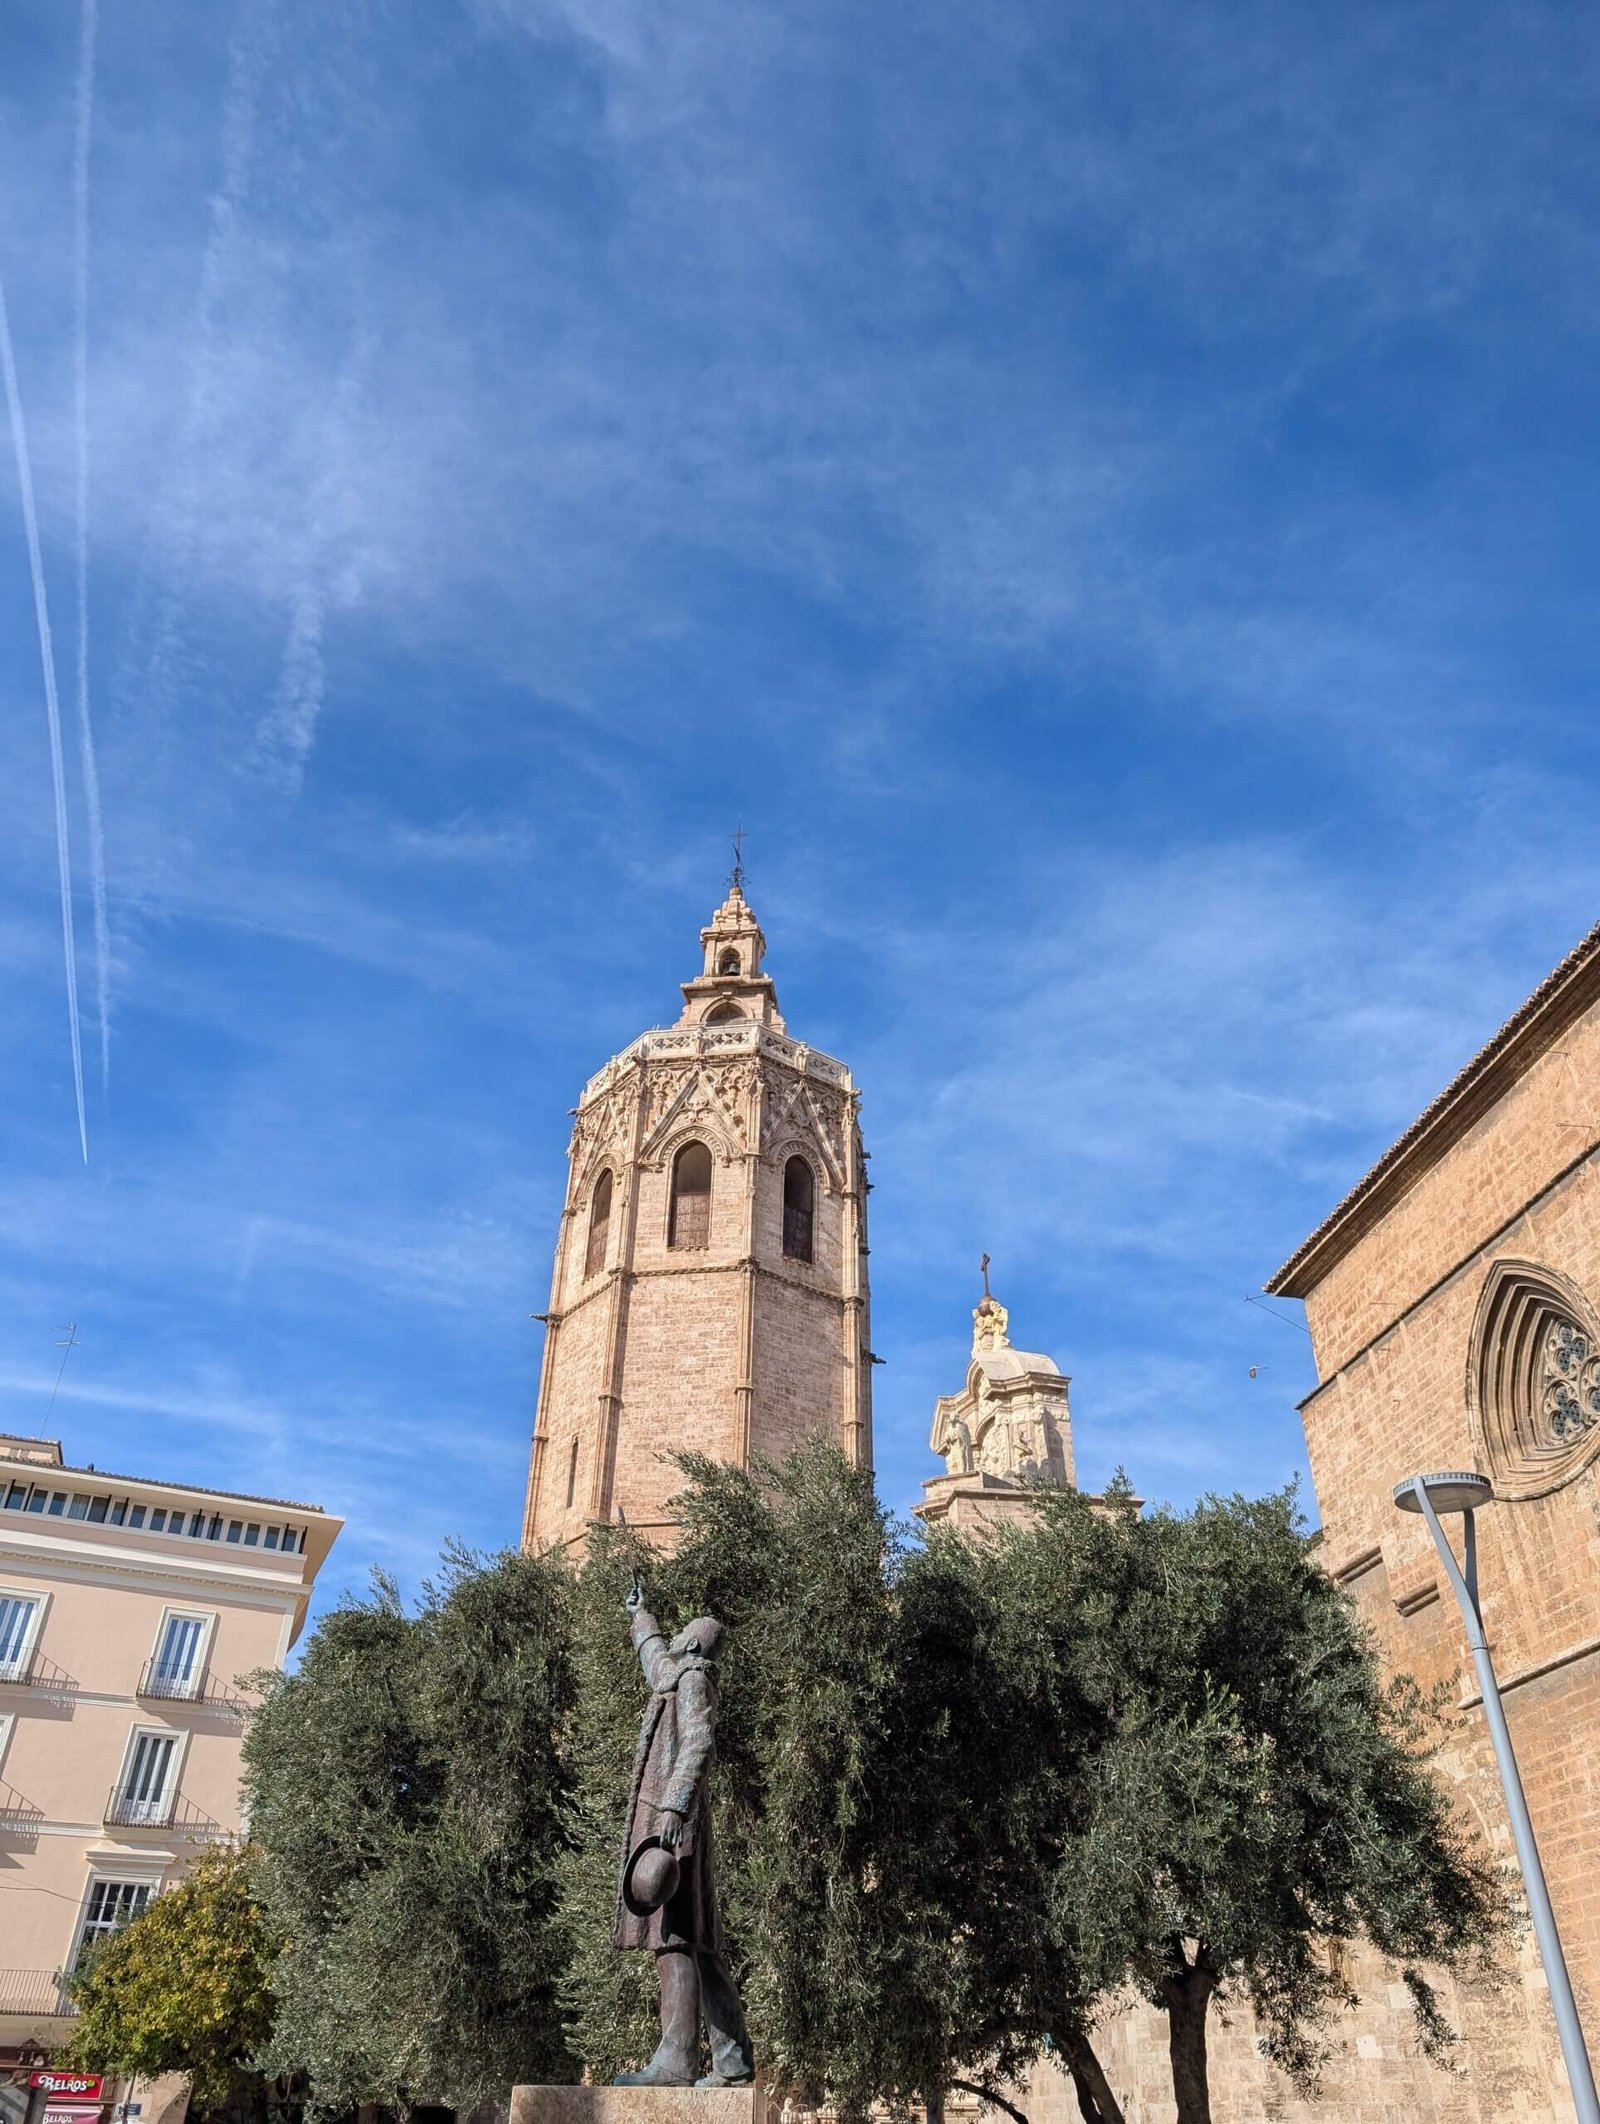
(666, 1892)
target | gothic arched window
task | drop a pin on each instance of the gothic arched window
(594, 1253)
(689, 1218)
(729, 962)
(799, 1198)
(724, 1014)
(1535, 1378)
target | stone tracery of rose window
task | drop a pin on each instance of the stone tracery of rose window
(1571, 1397)
(1533, 1378)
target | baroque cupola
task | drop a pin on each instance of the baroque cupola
(1006, 1435)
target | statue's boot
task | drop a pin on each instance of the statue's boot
(732, 2059)
(677, 2054)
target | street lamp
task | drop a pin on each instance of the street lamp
(1464, 1493)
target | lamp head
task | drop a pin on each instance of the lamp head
(1457, 1490)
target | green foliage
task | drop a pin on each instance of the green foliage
(407, 1789)
(1255, 1792)
(187, 1987)
(609, 1999)
(966, 1793)
(794, 1565)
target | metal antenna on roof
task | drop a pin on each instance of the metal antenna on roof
(66, 1348)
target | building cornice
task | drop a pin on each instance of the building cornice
(1529, 1033)
(718, 1043)
(74, 1564)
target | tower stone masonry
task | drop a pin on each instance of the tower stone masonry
(710, 1284)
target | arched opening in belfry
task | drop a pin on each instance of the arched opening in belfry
(594, 1253)
(689, 1218)
(724, 1014)
(729, 962)
(799, 1200)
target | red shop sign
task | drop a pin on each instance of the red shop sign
(85, 2086)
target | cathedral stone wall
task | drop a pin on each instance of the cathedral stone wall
(800, 1364)
(1454, 1308)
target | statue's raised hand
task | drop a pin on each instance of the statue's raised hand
(635, 1599)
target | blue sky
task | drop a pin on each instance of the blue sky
(1104, 496)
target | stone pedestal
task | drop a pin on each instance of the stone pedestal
(638, 2105)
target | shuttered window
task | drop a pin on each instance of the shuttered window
(689, 1221)
(16, 1625)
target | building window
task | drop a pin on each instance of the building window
(572, 1474)
(729, 963)
(594, 1253)
(17, 1612)
(112, 1904)
(176, 1669)
(689, 1220)
(799, 1198)
(725, 1014)
(1535, 1378)
(144, 1797)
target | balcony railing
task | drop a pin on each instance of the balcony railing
(166, 1685)
(34, 1992)
(123, 1811)
(34, 1671)
(175, 1813)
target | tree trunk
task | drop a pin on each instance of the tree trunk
(1096, 2102)
(990, 2100)
(1186, 1999)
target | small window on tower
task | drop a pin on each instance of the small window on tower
(689, 1220)
(799, 1194)
(725, 1014)
(572, 1474)
(729, 963)
(594, 1254)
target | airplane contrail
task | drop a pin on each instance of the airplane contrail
(52, 703)
(88, 26)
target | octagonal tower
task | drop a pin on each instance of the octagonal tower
(710, 1282)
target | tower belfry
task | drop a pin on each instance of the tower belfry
(710, 1284)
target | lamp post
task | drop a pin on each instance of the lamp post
(1464, 1493)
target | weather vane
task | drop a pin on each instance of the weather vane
(984, 1266)
(737, 880)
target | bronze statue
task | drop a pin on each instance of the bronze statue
(666, 1891)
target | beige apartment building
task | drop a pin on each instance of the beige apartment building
(128, 1611)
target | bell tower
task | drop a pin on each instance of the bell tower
(710, 1284)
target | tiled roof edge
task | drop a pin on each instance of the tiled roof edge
(1520, 1041)
(160, 1482)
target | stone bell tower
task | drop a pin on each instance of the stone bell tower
(710, 1283)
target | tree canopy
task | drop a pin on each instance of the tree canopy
(1255, 1793)
(969, 1793)
(407, 1789)
(186, 1988)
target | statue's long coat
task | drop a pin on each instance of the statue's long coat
(669, 1771)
